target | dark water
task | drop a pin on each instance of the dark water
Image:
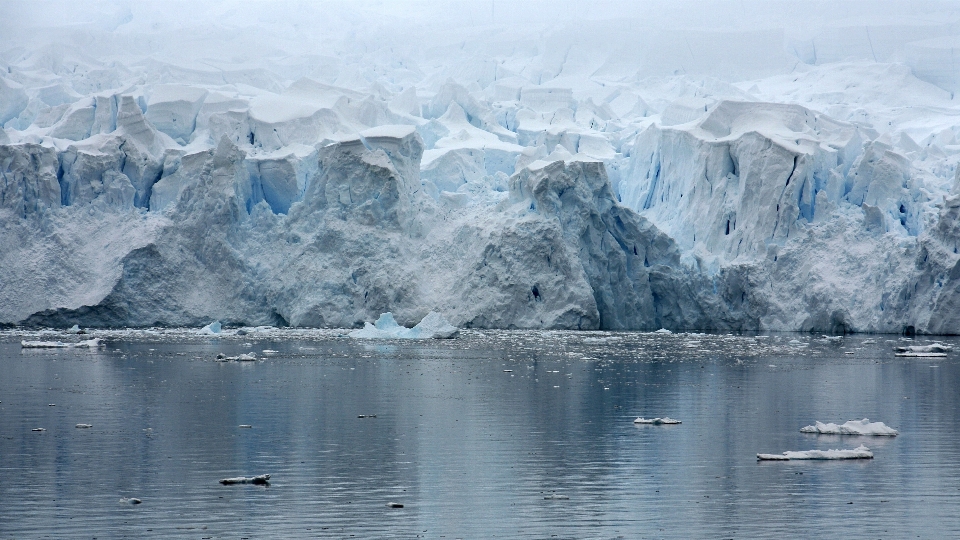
(470, 450)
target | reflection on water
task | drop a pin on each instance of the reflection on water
(495, 434)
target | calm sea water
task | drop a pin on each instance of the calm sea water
(472, 450)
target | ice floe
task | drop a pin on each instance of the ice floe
(657, 421)
(261, 479)
(861, 452)
(89, 343)
(852, 427)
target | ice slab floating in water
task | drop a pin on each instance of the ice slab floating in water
(657, 421)
(937, 350)
(91, 343)
(860, 452)
(433, 326)
(852, 427)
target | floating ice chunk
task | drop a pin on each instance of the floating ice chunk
(131, 500)
(861, 452)
(212, 328)
(44, 345)
(931, 350)
(852, 427)
(261, 479)
(663, 331)
(433, 326)
(84, 426)
(657, 421)
(75, 329)
(90, 343)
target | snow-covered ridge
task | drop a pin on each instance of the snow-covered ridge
(529, 176)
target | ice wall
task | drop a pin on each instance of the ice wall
(688, 165)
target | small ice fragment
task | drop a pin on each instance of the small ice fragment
(663, 331)
(222, 357)
(657, 421)
(270, 351)
(794, 342)
(508, 371)
(394, 505)
(861, 452)
(38, 429)
(84, 426)
(556, 497)
(246, 426)
(212, 328)
(262, 479)
(131, 500)
(246, 357)
(852, 427)
(51, 404)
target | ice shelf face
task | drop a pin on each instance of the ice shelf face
(506, 172)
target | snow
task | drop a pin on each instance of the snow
(771, 167)
(860, 452)
(433, 326)
(852, 427)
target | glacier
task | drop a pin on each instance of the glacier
(511, 170)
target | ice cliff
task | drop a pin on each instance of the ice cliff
(523, 188)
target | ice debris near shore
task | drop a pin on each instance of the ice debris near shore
(793, 176)
(89, 343)
(933, 350)
(861, 452)
(433, 326)
(852, 427)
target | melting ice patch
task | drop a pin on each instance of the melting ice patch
(433, 326)
(852, 427)
(860, 452)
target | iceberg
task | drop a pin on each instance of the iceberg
(433, 326)
(852, 427)
(211, 329)
(861, 452)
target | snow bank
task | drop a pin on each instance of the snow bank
(433, 326)
(861, 452)
(852, 427)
